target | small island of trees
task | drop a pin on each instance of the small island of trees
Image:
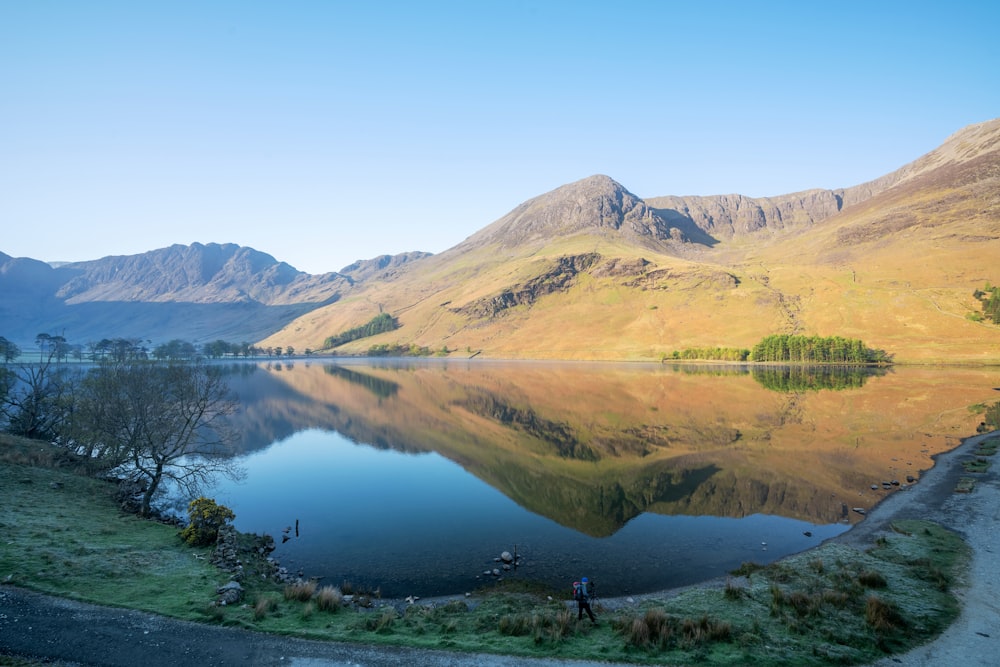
(786, 348)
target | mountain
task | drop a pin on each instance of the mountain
(736, 216)
(198, 292)
(591, 271)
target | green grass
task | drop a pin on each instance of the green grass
(833, 605)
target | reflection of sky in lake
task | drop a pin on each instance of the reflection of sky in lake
(420, 524)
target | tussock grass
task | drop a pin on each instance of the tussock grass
(381, 622)
(329, 598)
(264, 606)
(302, 591)
(732, 591)
(662, 631)
(871, 579)
(882, 616)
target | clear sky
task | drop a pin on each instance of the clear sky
(325, 132)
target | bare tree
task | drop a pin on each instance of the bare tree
(36, 399)
(154, 422)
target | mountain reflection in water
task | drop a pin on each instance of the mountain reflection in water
(641, 476)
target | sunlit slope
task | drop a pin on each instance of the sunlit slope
(589, 271)
(900, 270)
(627, 303)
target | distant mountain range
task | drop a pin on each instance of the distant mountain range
(590, 271)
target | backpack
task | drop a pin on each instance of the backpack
(579, 591)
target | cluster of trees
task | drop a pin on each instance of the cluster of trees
(219, 349)
(379, 324)
(125, 349)
(136, 419)
(791, 349)
(816, 349)
(990, 298)
(711, 354)
(400, 350)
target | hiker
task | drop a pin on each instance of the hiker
(582, 591)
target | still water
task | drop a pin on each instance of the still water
(413, 477)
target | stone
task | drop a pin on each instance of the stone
(506, 557)
(230, 593)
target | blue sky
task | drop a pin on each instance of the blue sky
(325, 132)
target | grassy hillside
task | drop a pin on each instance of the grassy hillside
(896, 267)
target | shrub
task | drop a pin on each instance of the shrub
(205, 519)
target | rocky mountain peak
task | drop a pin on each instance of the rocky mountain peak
(596, 205)
(196, 273)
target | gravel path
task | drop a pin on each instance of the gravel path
(974, 638)
(74, 633)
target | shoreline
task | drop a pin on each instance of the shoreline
(78, 633)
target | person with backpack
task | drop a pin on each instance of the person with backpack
(582, 590)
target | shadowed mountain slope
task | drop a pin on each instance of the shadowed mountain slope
(198, 292)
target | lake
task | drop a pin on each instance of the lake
(412, 477)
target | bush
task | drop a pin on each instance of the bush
(205, 519)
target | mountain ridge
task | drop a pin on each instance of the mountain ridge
(587, 270)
